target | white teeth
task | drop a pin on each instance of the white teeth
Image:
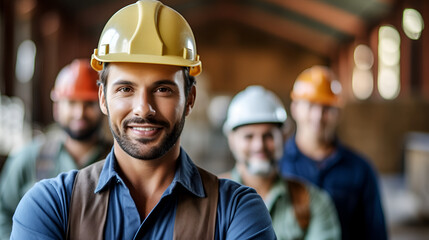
(144, 128)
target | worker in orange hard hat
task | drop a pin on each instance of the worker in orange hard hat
(148, 187)
(76, 143)
(316, 154)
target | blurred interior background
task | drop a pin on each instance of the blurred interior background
(376, 47)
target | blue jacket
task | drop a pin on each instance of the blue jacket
(43, 211)
(352, 184)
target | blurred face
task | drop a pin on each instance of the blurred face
(80, 119)
(146, 105)
(257, 147)
(315, 121)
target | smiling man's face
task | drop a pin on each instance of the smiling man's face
(146, 106)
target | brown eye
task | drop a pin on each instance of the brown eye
(124, 89)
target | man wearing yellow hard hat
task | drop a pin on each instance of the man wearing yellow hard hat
(74, 141)
(148, 187)
(315, 154)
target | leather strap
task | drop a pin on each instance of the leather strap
(300, 198)
(88, 210)
(196, 217)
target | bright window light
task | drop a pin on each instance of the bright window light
(388, 82)
(25, 59)
(412, 23)
(362, 83)
(362, 79)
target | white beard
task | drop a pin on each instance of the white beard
(260, 168)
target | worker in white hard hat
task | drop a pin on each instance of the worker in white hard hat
(255, 130)
(148, 187)
(315, 154)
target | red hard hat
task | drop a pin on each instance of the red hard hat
(76, 81)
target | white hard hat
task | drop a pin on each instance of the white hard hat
(255, 104)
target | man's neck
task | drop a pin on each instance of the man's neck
(261, 184)
(80, 150)
(314, 148)
(146, 179)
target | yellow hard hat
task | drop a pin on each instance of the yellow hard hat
(147, 32)
(317, 84)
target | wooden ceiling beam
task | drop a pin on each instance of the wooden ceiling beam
(283, 28)
(327, 14)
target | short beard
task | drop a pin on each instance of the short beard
(84, 135)
(166, 144)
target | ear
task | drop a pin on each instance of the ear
(231, 141)
(55, 112)
(102, 99)
(191, 100)
(293, 109)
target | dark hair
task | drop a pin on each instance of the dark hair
(189, 80)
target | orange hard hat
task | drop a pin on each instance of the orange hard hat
(76, 81)
(317, 84)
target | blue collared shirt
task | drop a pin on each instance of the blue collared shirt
(43, 212)
(352, 184)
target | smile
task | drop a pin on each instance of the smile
(146, 129)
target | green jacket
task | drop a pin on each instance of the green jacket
(19, 174)
(324, 222)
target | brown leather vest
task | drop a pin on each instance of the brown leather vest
(195, 217)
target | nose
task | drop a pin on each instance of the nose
(319, 112)
(78, 110)
(258, 143)
(143, 106)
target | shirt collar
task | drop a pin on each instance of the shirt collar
(277, 190)
(292, 150)
(186, 175)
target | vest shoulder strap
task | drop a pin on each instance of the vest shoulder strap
(88, 210)
(195, 217)
(300, 198)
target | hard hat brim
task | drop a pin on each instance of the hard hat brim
(140, 58)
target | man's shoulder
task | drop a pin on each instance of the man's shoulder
(61, 184)
(28, 150)
(45, 206)
(23, 159)
(242, 212)
(230, 191)
(357, 159)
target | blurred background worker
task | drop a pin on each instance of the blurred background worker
(76, 141)
(255, 130)
(315, 153)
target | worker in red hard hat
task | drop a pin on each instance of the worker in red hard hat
(316, 155)
(75, 101)
(76, 143)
